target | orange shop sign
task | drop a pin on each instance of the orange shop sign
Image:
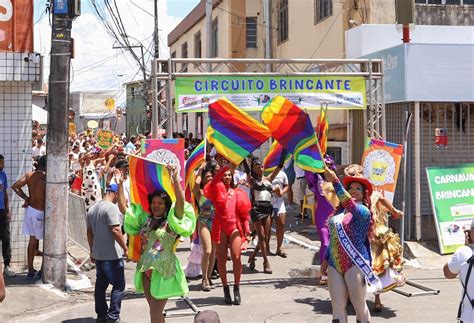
(16, 26)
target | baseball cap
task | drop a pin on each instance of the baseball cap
(112, 188)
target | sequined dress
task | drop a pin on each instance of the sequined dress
(206, 215)
(356, 221)
(158, 256)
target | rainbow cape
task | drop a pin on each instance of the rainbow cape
(292, 127)
(273, 158)
(147, 176)
(195, 160)
(322, 129)
(233, 132)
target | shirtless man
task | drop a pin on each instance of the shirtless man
(33, 223)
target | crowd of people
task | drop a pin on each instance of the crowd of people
(236, 204)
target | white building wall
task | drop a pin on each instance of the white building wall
(15, 146)
(366, 39)
(17, 73)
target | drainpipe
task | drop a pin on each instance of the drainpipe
(417, 173)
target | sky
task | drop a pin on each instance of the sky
(96, 65)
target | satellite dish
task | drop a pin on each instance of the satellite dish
(92, 124)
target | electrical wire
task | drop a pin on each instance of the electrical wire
(117, 30)
(46, 10)
(237, 15)
(141, 9)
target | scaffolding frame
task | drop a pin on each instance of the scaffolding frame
(371, 69)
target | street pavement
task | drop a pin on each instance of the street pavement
(290, 294)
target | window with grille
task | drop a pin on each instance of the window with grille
(197, 45)
(184, 54)
(336, 153)
(283, 21)
(323, 9)
(215, 40)
(251, 28)
(173, 55)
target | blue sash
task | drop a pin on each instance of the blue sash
(354, 254)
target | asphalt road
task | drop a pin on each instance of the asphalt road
(290, 294)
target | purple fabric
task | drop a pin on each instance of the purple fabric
(323, 210)
(330, 163)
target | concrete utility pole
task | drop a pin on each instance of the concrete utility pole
(155, 113)
(209, 32)
(56, 213)
(267, 9)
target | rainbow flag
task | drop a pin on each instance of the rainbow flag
(292, 127)
(273, 158)
(322, 129)
(195, 160)
(147, 176)
(233, 132)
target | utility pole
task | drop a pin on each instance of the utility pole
(56, 212)
(155, 113)
(267, 9)
(209, 32)
(208, 47)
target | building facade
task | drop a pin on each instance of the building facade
(19, 68)
(239, 32)
(432, 78)
(138, 117)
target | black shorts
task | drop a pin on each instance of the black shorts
(260, 210)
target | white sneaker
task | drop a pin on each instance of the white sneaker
(8, 272)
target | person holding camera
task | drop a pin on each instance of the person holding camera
(461, 264)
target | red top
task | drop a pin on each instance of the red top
(231, 205)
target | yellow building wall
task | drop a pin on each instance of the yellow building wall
(307, 39)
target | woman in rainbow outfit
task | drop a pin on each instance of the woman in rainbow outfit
(387, 252)
(159, 273)
(348, 255)
(205, 220)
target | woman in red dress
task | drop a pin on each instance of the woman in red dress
(230, 226)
